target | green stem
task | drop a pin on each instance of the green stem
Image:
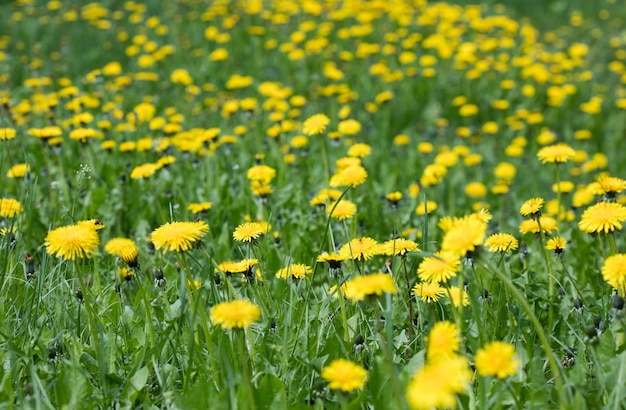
(612, 245)
(546, 258)
(148, 308)
(554, 367)
(386, 337)
(241, 340)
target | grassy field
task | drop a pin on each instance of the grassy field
(246, 204)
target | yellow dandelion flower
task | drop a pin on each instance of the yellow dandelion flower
(603, 217)
(178, 236)
(398, 246)
(611, 185)
(501, 242)
(332, 259)
(296, 270)
(497, 359)
(315, 124)
(359, 249)
(341, 210)
(236, 314)
(548, 225)
(374, 284)
(344, 375)
(443, 340)
(350, 176)
(532, 207)
(556, 244)
(394, 197)
(439, 268)
(428, 292)
(249, 232)
(436, 384)
(18, 171)
(454, 293)
(9, 207)
(124, 248)
(199, 207)
(557, 153)
(614, 271)
(72, 241)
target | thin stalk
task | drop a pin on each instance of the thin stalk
(552, 362)
(546, 258)
(241, 341)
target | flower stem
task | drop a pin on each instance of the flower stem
(552, 362)
(546, 258)
(241, 340)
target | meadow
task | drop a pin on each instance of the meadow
(307, 204)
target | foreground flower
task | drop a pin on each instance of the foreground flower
(464, 235)
(72, 241)
(428, 292)
(9, 207)
(439, 268)
(557, 153)
(360, 249)
(497, 359)
(443, 340)
(236, 314)
(344, 375)
(296, 270)
(436, 384)
(178, 236)
(603, 217)
(614, 271)
(369, 285)
(124, 248)
(532, 207)
(501, 242)
(315, 124)
(249, 232)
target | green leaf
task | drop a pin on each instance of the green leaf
(72, 389)
(271, 393)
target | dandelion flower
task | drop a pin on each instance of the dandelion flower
(18, 171)
(394, 197)
(614, 271)
(341, 210)
(428, 292)
(7, 133)
(556, 244)
(398, 246)
(296, 270)
(144, 171)
(344, 375)
(611, 186)
(351, 176)
(236, 314)
(497, 359)
(465, 235)
(454, 292)
(369, 285)
(315, 124)
(443, 340)
(249, 232)
(548, 225)
(501, 242)
(532, 207)
(436, 384)
(9, 207)
(126, 274)
(557, 153)
(178, 236)
(72, 241)
(603, 217)
(360, 249)
(124, 248)
(439, 268)
(94, 224)
(332, 259)
(199, 207)
(423, 209)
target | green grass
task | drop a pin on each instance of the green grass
(149, 342)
